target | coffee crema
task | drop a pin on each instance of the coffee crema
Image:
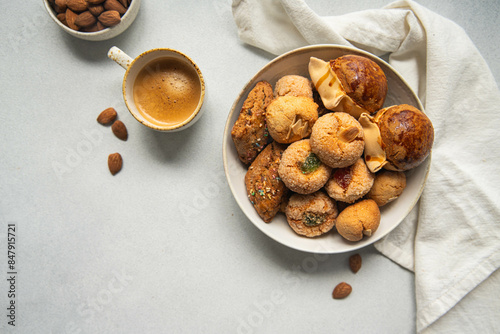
(167, 91)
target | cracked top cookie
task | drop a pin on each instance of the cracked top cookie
(290, 118)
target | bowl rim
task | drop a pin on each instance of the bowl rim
(84, 34)
(228, 126)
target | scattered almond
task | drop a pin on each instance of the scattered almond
(85, 19)
(114, 5)
(355, 262)
(107, 116)
(115, 163)
(341, 291)
(120, 130)
(109, 18)
(349, 134)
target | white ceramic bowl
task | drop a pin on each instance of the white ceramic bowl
(295, 62)
(104, 34)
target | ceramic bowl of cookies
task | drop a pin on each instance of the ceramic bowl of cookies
(295, 149)
(93, 20)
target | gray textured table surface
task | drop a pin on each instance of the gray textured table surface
(162, 247)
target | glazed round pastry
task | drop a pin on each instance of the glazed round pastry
(361, 218)
(407, 135)
(349, 184)
(301, 170)
(311, 215)
(293, 85)
(363, 81)
(337, 139)
(388, 186)
(290, 118)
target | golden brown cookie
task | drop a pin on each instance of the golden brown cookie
(337, 139)
(301, 170)
(388, 186)
(293, 85)
(311, 215)
(362, 80)
(361, 218)
(349, 184)
(290, 118)
(398, 138)
(264, 187)
(249, 132)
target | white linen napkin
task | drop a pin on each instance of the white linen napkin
(451, 240)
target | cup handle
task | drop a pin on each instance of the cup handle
(120, 57)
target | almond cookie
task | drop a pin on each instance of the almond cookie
(290, 118)
(293, 85)
(249, 132)
(361, 218)
(265, 189)
(311, 215)
(337, 139)
(301, 170)
(349, 184)
(388, 186)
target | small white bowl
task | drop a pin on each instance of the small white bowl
(296, 62)
(104, 34)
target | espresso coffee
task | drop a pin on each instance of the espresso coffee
(167, 91)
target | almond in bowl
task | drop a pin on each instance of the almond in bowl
(93, 20)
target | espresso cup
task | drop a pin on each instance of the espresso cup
(162, 88)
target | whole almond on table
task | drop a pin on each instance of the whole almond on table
(119, 130)
(110, 18)
(115, 5)
(77, 5)
(355, 263)
(115, 163)
(341, 291)
(85, 19)
(107, 116)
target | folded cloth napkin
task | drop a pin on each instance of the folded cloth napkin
(451, 240)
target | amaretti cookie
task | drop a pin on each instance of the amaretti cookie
(293, 85)
(337, 139)
(265, 189)
(349, 184)
(388, 186)
(301, 170)
(311, 215)
(290, 118)
(249, 132)
(358, 219)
